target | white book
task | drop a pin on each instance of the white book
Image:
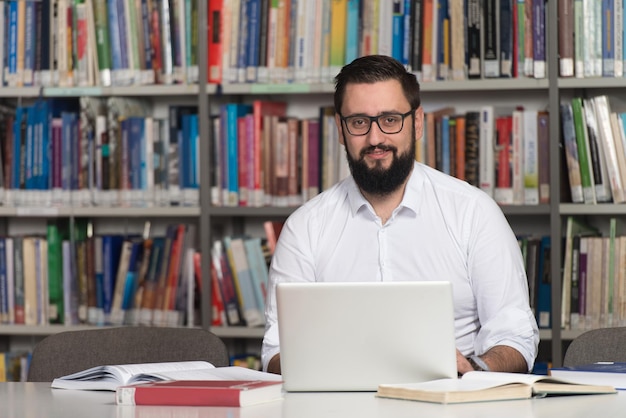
(579, 39)
(618, 19)
(109, 377)
(600, 172)
(486, 176)
(531, 158)
(603, 112)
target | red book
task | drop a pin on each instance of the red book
(200, 393)
(214, 41)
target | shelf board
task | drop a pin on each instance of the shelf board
(238, 332)
(525, 209)
(502, 84)
(599, 209)
(42, 330)
(114, 212)
(591, 83)
(99, 212)
(266, 211)
(16, 92)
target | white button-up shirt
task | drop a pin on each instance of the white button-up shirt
(444, 229)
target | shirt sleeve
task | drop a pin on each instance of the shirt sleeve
(498, 279)
(291, 262)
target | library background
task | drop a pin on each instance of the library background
(151, 150)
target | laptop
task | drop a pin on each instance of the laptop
(353, 336)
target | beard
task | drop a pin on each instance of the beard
(377, 180)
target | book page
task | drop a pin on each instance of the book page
(110, 377)
(218, 373)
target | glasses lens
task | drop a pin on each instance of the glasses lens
(390, 124)
(358, 125)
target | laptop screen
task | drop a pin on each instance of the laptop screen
(355, 336)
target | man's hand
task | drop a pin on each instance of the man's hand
(463, 366)
(274, 365)
(499, 358)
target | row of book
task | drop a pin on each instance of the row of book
(14, 366)
(97, 151)
(536, 251)
(591, 38)
(594, 276)
(262, 156)
(98, 279)
(594, 142)
(262, 41)
(502, 150)
(239, 281)
(98, 42)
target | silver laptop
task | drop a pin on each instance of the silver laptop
(354, 336)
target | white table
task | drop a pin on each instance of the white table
(37, 400)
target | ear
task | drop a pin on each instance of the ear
(339, 129)
(419, 123)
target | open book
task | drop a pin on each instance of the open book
(488, 386)
(110, 377)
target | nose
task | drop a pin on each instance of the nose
(375, 136)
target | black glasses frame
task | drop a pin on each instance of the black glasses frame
(403, 116)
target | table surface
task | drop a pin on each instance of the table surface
(39, 400)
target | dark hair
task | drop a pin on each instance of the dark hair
(374, 68)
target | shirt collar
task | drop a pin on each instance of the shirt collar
(410, 200)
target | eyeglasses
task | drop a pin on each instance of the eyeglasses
(388, 123)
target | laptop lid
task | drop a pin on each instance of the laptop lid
(354, 336)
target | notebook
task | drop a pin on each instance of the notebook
(355, 336)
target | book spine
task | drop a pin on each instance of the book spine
(543, 144)
(506, 28)
(586, 173)
(539, 39)
(474, 56)
(491, 39)
(608, 36)
(566, 38)
(579, 41)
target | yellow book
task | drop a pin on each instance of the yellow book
(338, 12)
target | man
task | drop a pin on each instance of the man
(394, 219)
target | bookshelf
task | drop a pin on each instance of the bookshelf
(548, 218)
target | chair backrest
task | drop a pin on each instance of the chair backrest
(72, 351)
(604, 344)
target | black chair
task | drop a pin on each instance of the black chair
(604, 344)
(72, 351)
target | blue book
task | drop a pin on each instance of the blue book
(29, 149)
(406, 36)
(19, 137)
(11, 47)
(608, 40)
(602, 373)
(131, 284)
(122, 20)
(114, 39)
(29, 44)
(234, 111)
(111, 251)
(445, 144)
(136, 168)
(188, 147)
(42, 162)
(352, 30)
(543, 305)
(253, 42)
(539, 38)
(506, 38)
(397, 28)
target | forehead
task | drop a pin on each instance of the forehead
(374, 98)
